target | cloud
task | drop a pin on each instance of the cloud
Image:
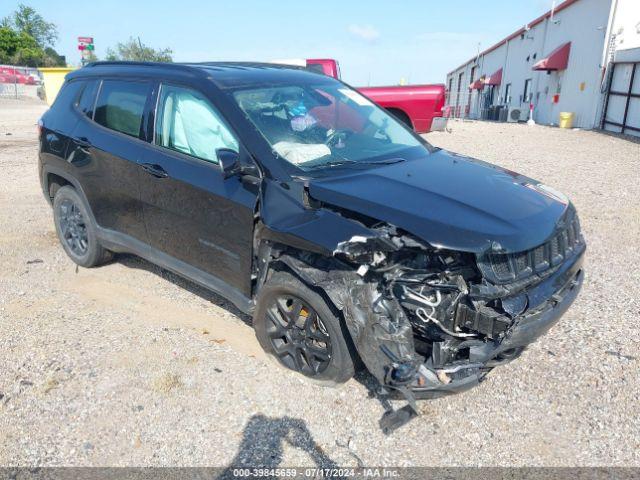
(366, 32)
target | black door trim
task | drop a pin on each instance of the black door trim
(120, 242)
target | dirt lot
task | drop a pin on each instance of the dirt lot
(130, 365)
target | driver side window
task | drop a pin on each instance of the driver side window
(187, 123)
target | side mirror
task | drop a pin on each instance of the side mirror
(229, 161)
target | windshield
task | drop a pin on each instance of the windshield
(326, 125)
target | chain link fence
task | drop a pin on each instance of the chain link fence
(20, 82)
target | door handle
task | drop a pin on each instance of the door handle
(155, 170)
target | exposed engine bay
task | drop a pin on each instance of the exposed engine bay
(426, 321)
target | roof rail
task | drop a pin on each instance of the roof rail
(116, 63)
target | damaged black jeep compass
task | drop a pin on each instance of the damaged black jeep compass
(344, 234)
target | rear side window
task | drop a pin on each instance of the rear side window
(88, 97)
(120, 105)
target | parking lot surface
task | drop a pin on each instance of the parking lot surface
(128, 364)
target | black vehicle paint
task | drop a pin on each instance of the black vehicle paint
(355, 232)
(450, 201)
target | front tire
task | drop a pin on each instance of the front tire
(295, 326)
(75, 229)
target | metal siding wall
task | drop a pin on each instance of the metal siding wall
(518, 68)
(459, 103)
(489, 64)
(584, 24)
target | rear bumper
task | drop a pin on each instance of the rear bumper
(561, 289)
(439, 124)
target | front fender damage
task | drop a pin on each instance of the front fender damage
(379, 328)
(424, 320)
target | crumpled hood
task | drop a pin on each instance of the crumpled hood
(450, 201)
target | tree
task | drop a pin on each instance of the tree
(28, 52)
(9, 42)
(27, 39)
(53, 58)
(134, 50)
(22, 49)
(26, 20)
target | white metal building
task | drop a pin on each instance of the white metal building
(583, 56)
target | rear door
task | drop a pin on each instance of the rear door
(191, 211)
(108, 145)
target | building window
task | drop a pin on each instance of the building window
(459, 88)
(507, 94)
(527, 95)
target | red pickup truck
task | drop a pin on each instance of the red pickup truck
(415, 105)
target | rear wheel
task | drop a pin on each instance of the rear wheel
(75, 230)
(295, 325)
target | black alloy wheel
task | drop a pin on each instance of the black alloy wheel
(73, 227)
(298, 336)
(76, 229)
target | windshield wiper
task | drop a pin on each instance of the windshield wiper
(339, 163)
(333, 163)
(387, 161)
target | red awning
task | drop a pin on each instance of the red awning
(495, 79)
(556, 60)
(477, 85)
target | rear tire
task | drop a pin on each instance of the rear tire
(296, 327)
(76, 230)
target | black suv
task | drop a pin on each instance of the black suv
(344, 234)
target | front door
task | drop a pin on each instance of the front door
(191, 211)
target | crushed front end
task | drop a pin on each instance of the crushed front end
(429, 322)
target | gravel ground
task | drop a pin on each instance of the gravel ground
(130, 365)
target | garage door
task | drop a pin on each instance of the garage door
(622, 109)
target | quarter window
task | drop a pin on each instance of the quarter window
(68, 95)
(88, 98)
(187, 122)
(120, 106)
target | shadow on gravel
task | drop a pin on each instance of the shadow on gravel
(133, 261)
(362, 375)
(263, 444)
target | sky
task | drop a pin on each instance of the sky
(376, 42)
